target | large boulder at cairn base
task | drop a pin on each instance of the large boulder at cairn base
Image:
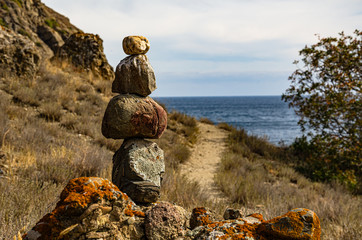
(137, 169)
(298, 224)
(135, 45)
(130, 115)
(91, 208)
(134, 74)
(85, 51)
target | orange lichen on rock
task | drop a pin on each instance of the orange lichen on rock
(80, 192)
(200, 217)
(74, 199)
(129, 211)
(299, 224)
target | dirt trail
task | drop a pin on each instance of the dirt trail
(205, 158)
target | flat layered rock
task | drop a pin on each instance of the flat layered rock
(141, 191)
(135, 45)
(130, 116)
(135, 75)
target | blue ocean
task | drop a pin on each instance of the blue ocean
(264, 116)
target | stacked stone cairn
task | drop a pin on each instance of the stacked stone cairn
(132, 115)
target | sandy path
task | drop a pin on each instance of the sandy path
(206, 155)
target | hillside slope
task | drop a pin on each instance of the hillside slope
(50, 119)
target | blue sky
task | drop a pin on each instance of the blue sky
(215, 47)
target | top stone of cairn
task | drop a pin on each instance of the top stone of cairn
(135, 45)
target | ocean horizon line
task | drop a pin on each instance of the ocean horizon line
(217, 96)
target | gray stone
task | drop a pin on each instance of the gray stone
(138, 160)
(135, 75)
(130, 115)
(138, 166)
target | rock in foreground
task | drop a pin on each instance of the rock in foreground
(91, 208)
(94, 208)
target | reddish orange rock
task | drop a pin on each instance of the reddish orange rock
(130, 115)
(86, 204)
(298, 224)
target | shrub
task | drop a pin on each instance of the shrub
(51, 111)
(326, 92)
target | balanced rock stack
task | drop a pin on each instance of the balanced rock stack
(132, 115)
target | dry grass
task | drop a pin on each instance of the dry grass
(41, 148)
(50, 133)
(183, 125)
(255, 176)
(206, 120)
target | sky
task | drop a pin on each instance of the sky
(215, 47)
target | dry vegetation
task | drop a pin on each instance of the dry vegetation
(50, 133)
(260, 177)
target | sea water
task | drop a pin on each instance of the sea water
(264, 116)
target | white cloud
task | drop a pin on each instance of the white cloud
(189, 35)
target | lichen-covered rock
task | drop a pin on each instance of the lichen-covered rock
(89, 208)
(298, 224)
(227, 229)
(135, 45)
(165, 221)
(94, 208)
(135, 75)
(85, 51)
(18, 55)
(130, 115)
(138, 166)
(200, 217)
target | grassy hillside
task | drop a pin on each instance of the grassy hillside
(50, 133)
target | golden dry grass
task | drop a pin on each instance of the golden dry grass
(257, 176)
